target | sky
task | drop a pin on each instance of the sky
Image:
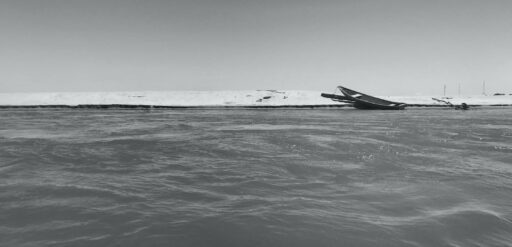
(392, 47)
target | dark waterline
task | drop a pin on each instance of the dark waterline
(280, 177)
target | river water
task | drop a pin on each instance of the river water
(242, 177)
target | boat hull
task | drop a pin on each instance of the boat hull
(364, 101)
(367, 106)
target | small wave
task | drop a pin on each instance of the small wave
(272, 127)
(462, 215)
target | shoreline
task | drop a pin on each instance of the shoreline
(249, 99)
(205, 107)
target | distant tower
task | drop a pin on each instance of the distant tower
(444, 90)
(483, 88)
(459, 90)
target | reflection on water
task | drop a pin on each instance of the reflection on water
(420, 177)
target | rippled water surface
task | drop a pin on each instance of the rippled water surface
(419, 177)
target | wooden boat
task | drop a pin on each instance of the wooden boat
(337, 97)
(462, 106)
(364, 101)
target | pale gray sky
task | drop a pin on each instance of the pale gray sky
(384, 47)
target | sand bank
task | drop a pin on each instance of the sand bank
(254, 98)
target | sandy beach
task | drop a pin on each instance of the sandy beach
(221, 98)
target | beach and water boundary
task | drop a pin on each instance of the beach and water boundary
(219, 100)
(127, 106)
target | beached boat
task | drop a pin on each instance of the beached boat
(364, 101)
(462, 106)
(337, 97)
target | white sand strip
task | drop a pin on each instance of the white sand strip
(217, 98)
